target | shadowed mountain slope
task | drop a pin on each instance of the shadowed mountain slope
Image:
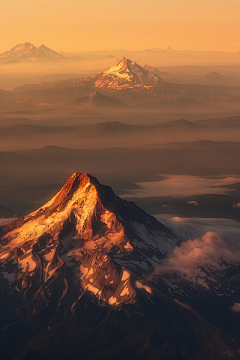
(76, 271)
(98, 100)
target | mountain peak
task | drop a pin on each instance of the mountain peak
(42, 46)
(76, 183)
(79, 202)
(86, 228)
(96, 95)
(26, 46)
(28, 52)
(124, 65)
(126, 74)
(125, 62)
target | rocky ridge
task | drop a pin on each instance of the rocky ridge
(88, 232)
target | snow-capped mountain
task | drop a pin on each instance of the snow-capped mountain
(87, 229)
(126, 82)
(126, 74)
(27, 52)
(89, 265)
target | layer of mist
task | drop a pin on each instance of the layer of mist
(53, 122)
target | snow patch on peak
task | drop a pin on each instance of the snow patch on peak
(126, 73)
(87, 229)
(29, 52)
(125, 275)
(139, 285)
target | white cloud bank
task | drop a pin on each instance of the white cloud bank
(236, 205)
(206, 246)
(236, 307)
(183, 185)
(192, 202)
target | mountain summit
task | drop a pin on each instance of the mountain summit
(27, 52)
(126, 74)
(85, 230)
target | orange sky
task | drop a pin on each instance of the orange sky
(81, 25)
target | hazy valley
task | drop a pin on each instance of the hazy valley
(165, 137)
(126, 125)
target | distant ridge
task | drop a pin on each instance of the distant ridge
(27, 52)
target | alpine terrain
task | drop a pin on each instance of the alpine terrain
(87, 276)
(27, 52)
(126, 85)
(126, 74)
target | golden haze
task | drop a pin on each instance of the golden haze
(75, 25)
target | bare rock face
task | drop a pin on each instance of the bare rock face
(86, 240)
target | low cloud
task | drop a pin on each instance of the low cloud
(236, 205)
(183, 186)
(236, 307)
(192, 202)
(205, 244)
(206, 252)
(191, 228)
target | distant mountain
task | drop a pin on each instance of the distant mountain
(123, 134)
(183, 125)
(212, 78)
(126, 74)
(5, 212)
(232, 122)
(112, 134)
(98, 100)
(27, 52)
(166, 57)
(127, 82)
